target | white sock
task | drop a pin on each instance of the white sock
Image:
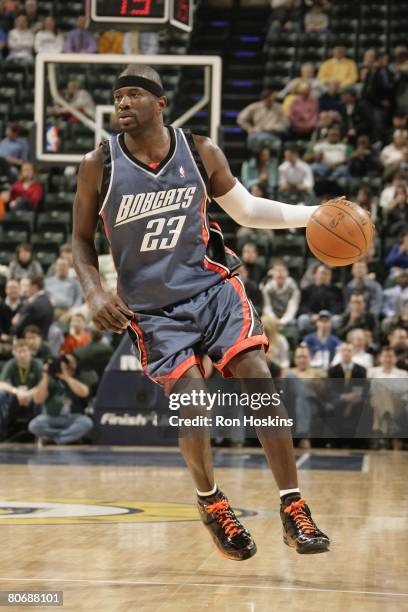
(287, 491)
(207, 493)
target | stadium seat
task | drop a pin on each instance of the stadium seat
(48, 241)
(285, 243)
(55, 220)
(19, 221)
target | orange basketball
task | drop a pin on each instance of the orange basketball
(339, 232)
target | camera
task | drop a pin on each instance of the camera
(54, 365)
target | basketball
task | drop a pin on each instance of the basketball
(339, 232)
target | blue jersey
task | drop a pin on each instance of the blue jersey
(165, 247)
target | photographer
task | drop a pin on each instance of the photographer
(18, 381)
(63, 393)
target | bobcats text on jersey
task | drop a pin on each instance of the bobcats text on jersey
(133, 207)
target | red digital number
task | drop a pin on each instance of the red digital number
(140, 7)
(182, 11)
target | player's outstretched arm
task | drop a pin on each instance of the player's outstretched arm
(235, 199)
(109, 313)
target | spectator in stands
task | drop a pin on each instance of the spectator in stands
(398, 340)
(281, 295)
(264, 122)
(363, 160)
(31, 12)
(3, 42)
(398, 320)
(18, 380)
(64, 292)
(307, 75)
(304, 389)
(388, 193)
(37, 310)
(295, 176)
(20, 42)
(251, 288)
(63, 397)
(322, 344)
(80, 99)
(327, 120)
(396, 217)
(376, 95)
(399, 126)
(365, 199)
(24, 263)
(111, 42)
(77, 335)
(316, 20)
(320, 295)
(39, 348)
(401, 82)
(357, 315)
(330, 156)
(285, 16)
(388, 391)
(27, 192)
(141, 42)
(339, 68)
(9, 306)
(24, 288)
(392, 154)
(369, 58)
(80, 39)
(65, 251)
(304, 112)
(260, 169)
(354, 120)
(347, 392)
(278, 350)
(250, 257)
(397, 258)
(330, 100)
(13, 149)
(8, 12)
(358, 342)
(362, 283)
(48, 39)
(394, 299)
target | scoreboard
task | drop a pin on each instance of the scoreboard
(178, 13)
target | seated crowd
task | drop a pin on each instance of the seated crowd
(338, 338)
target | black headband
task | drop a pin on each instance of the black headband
(131, 80)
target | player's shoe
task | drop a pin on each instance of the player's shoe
(299, 529)
(229, 535)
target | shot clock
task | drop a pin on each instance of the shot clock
(178, 13)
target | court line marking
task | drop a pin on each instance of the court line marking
(302, 459)
(203, 584)
(365, 466)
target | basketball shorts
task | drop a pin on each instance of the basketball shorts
(220, 322)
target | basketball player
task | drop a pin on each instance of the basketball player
(151, 185)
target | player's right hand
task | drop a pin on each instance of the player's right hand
(109, 312)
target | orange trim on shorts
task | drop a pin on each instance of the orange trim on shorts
(238, 347)
(246, 309)
(169, 380)
(142, 346)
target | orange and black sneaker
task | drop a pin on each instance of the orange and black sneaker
(229, 535)
(299, 529)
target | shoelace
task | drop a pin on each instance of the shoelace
(225, 517)
(297, 511)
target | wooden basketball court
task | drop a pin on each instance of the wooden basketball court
(116, 530)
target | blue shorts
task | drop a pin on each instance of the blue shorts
(220, 322)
